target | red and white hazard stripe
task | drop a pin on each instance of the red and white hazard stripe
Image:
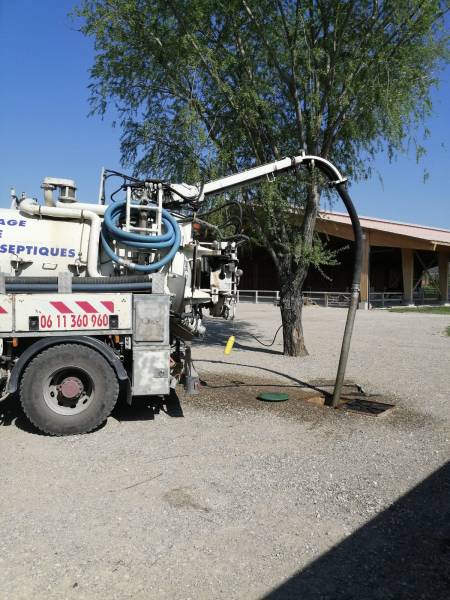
(6, 313)
(81, 306)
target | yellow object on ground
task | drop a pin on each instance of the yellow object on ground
(229, 345)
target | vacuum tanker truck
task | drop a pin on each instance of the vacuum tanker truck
(101, 299)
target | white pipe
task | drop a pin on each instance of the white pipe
(159, 211)
(48, 196)
(98, 209)
(30, 207)
(50, 184)
(101, 190)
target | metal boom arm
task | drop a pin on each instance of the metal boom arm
(250, 176)
(231, 182)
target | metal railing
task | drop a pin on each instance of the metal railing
(383, 299)
(334, 299)
(426, 296)
(338, 299)
(258, 296)
(386, 299)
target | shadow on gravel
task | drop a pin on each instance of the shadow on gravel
(402, 554)
(11, 413)
(218, 332)
(258, 349)
(144, 408)
(297, 382)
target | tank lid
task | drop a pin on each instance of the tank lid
(58, 182)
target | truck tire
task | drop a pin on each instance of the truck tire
(68, 389)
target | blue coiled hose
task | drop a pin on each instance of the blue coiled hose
(148, 243)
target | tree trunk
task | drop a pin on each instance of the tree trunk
(292, 276)
(291, 305)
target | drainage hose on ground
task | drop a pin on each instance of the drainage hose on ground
(111, 231)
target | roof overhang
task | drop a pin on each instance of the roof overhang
(386, 233)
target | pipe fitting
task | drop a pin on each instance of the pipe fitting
(67, 189)
(29, 206)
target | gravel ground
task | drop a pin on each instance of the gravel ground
(222, 496)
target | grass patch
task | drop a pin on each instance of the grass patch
(435, 310)
(448, 330)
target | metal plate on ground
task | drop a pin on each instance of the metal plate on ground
(366, 406)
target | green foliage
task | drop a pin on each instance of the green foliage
(207, 87)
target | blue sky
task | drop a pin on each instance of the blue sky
(45, 130)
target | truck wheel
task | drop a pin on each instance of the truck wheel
(68, 389)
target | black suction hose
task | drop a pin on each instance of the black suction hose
(79, 284)
(99, 287)
(358, 235)
(81, 280)
(331, 172)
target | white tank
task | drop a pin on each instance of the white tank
(36, 246)
(45, 240)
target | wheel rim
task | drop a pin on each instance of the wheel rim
(69, 391)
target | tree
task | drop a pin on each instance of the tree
(207, 87)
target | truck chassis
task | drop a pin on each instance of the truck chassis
(68, 354)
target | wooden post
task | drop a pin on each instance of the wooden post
(408, 275)
(443, 258)
(365, 276)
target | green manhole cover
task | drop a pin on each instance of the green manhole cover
(273, 396)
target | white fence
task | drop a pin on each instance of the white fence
(337, 299)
